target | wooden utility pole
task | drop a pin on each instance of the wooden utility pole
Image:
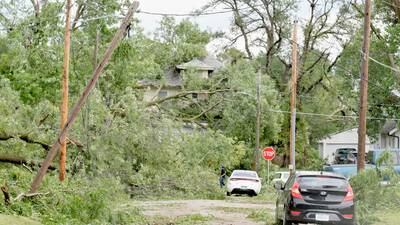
(362, 126)
(76, 109)
(258, 119)
(293, 100)
(64, 101)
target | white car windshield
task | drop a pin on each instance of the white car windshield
(244, 174)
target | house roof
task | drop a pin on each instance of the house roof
(345, 137)
(206, 63)
(389, 126)
(171, 79)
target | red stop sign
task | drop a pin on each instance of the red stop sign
(268, 153)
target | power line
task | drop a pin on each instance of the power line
(331, 116)
(160, 14)
(384, 65)
(194, 14)
(390, 4)
(186, 14)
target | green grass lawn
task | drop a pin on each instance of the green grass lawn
(16, 220)
(388, 217)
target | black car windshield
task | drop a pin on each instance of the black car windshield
(344, 151)
(244, 174)
(322, 182)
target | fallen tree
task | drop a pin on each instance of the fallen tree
(30, 140)
(23, 162)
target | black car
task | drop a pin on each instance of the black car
(345, 155)
(315, 197)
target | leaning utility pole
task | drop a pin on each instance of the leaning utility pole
(258, 119)
(293, 100)
(64, 101)
(362, 127)
(82, 99)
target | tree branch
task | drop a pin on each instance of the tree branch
(21, 161)
(79, 12)
(206, 110)
(184, 94)
(29, 140)
(25, 138)
(373, 28)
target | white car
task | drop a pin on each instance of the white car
(280, 177)
(244, 182)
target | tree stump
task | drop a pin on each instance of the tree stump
(7, 199)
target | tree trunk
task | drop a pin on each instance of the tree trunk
(7, 199)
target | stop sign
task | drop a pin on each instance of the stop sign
(268, 153)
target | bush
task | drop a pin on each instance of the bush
(371, 195)
(76, 201)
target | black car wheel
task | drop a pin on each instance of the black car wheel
(228, 193)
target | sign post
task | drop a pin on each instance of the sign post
(268, 154)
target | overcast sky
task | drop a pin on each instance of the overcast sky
(217, 22)
(150, 22)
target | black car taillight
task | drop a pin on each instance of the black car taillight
(295, 191)
(350, 195)
(348, 216)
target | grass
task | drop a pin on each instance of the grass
(233, 210)
(262, 215)
(197, 219)
(388, 217)
(16, 220)
(267, 195)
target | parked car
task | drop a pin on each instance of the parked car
(315, 197)
(244, 182)
(280, 177)
(345, 155)
(346, 170)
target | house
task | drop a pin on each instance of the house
(345, 139)
(389, 137)
(172, 82)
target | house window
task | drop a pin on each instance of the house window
(162, 94)
(195, 95)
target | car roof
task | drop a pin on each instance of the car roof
(346, 165)
(251, 171)
(316, 173)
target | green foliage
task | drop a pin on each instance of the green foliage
(183, 41)
(77, 201)
(262, 215)
(371, 195)
(197, 219)
(240, 106)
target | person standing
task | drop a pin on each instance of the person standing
(222, 177)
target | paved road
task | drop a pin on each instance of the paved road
(233, 211)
